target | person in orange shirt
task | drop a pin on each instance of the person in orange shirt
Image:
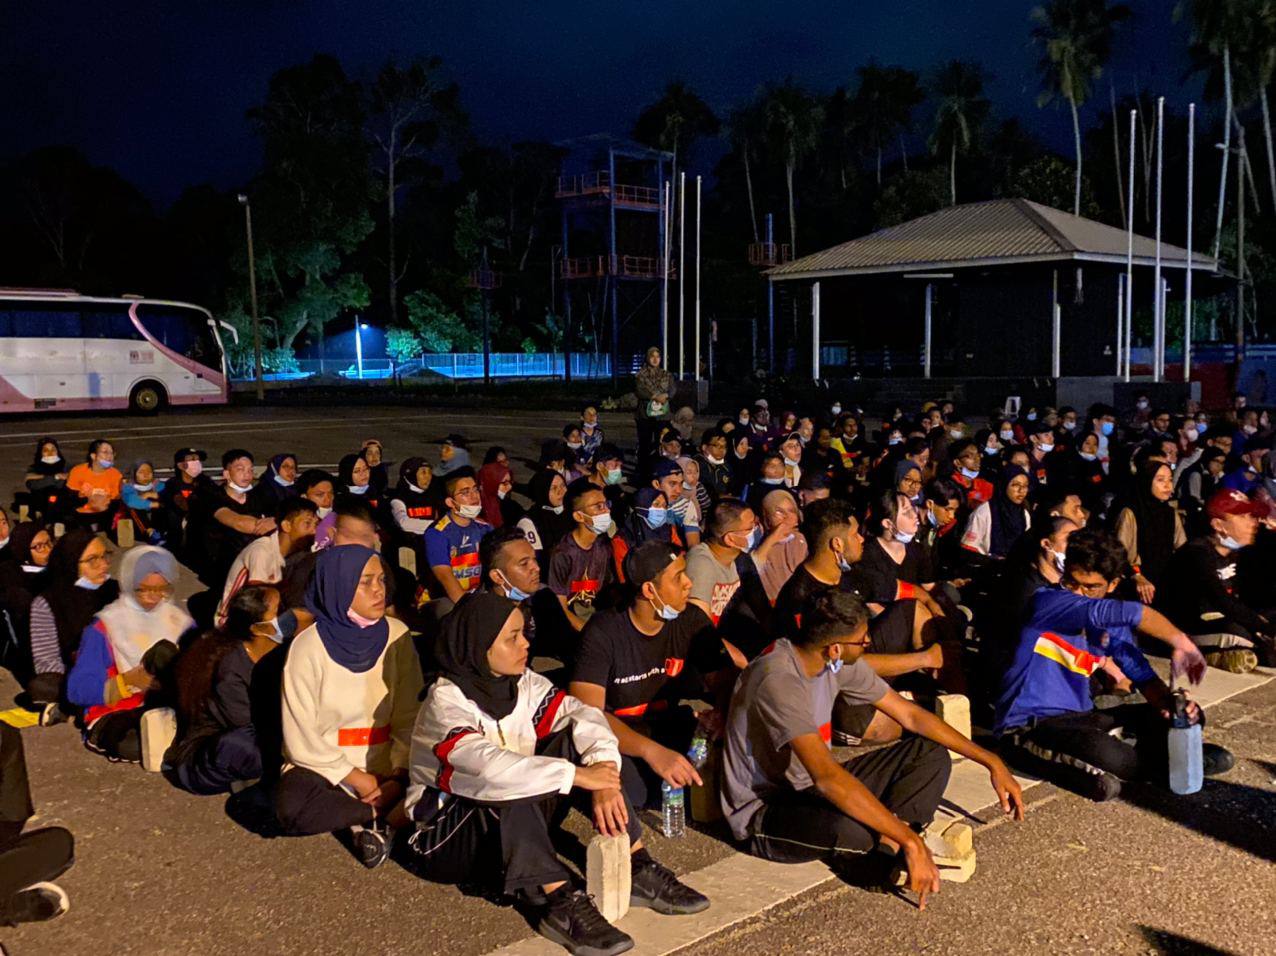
(97, 480)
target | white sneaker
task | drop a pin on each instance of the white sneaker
(159, 730)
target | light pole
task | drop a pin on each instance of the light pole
(252, 295)
(358, 345)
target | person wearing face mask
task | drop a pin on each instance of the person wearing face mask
(591, 433)
(123, 666)
(1247, 477)
(715, 473)
(608, 476)
(454, 454)
(79, 586)
(1042, 459)
(1198, 590)
(140, 501)
(495, 484)
(354, 481)
(319, 488)
(780, 552)
(414, 501)
(452, 542)
(279, 482)
(637, 662)
(511, 568)
(176, 498)
(263, 561)
(97, 483)
(580, 566)
(967, 466)
(46, 477)
(693, 500)
(994, 527)
(937, 535)
(683, 509)
(22, 579)
(786, 797)
(770, 476)
(223, 688)
(1149, 527)
(1102, 419)
(351, 686)
(546, 520)
(1195, 484)
(225, 520)
(647, 521)
(378, 477)
(732, 530)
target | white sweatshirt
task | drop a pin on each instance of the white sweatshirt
(261, 561)
(459, 749)
(335, 720)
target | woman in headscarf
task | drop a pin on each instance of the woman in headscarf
(647, 521)
(78, 586)
(1081, 473)
(545, 522)
(350, 690)
(653, 387)
(140, 503)
(378, 475)
(684, 420)
(908, 481)
(694, 503)
(495, 483)
(125, 655)
(279, 482)
(415, 503)
(46, 476)
(1196, 485)
(21, 581)
(995, 526)
(1150, 527)
(354, 481)
(495, 748)
(220, 690)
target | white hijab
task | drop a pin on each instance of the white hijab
(132, 630)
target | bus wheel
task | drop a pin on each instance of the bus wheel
(146, 398)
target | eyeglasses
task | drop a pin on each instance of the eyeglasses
(97, 559)
(42, 546)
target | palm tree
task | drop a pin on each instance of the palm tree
(747, 131)
(675, 121)
(883, 105)
(794, 119)
(959, 87)
(1076, 41)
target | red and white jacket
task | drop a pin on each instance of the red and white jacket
(458, 749)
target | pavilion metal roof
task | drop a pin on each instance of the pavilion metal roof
(993, 233)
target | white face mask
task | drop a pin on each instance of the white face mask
(1191, 434)
(954, 433)
(904, 537)
(501, 494)
(557, 509)
(238, 489)
(836, 409)
(50, 459)
(83, 582)
(1230, 543)
(714, 461)
(283, 481)
(470, 511)
(1006, 434)
(1070, 426)
(193, 468)
(1047, 448)
(575, 445)
(323, 512)
(1087, 456)
(146, 487)
(357, 489)
(105, 463)
(1060, 557)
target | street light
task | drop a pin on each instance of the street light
(358, 345)
(252, 295)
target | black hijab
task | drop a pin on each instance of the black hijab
(331, 592)
(1154, 522)
(464, 639)
(1009, 520)
(45, 469)
(18, 587)
(550, 526)
(74, 607)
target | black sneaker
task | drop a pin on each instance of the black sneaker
(655, 887)
(370, 845)
(1216, 760)
(1265, 649)
(1102, 787)
(38, 903)
(571, 920)
(51, 714)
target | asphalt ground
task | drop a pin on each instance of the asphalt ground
(159, 871)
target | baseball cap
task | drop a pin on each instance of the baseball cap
(664, 468)
(647, 561)
(180, 455)
(1229, 501)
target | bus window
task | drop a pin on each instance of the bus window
(47, 321)
(107, 323)
(185, 332)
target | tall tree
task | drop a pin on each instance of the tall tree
(885, 98)
(409, 109)
(794, 120)
(962, 108)
(676, 121)
(747, 131)
(1075, 37)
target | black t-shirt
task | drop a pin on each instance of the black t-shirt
(883, 575)
(785, 619)
(223, 542)
(1198, 581)
(643, 674)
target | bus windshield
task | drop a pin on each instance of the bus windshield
(184, 331)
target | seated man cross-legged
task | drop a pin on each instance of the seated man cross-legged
(786, 796)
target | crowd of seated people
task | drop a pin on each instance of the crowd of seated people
(435, 660)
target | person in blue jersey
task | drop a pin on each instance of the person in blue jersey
(452, 542)
(1045, 716)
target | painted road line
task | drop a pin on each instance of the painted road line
(742, 887)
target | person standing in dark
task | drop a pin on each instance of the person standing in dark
(653, 386)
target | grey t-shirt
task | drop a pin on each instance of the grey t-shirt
(774, 703)
(711, 581)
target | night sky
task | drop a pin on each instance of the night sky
(157, 89)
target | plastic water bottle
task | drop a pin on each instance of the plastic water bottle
(673, 800)
(673, 811)
(1186, 760)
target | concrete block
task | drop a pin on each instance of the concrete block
(124, 533)
(954, 710)
(159, 729)
(407, 559)
(23, 513)
(608, 875)
(59, 529)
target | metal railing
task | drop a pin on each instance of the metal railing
(453, 365)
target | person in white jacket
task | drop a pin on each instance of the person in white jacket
(350, 693)
(495, 749)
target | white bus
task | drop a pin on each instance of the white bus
(65, 351)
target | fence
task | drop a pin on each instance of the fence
(453, 365)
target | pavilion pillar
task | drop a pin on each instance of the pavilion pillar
(930, 293)
(1056, 326)
(815, 331)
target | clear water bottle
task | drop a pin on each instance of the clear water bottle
(673, 811)
(1186, 758)
(698, 752)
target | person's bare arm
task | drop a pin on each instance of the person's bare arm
(1185, 657)
(244, 524)
(893, 665)
(447, 580)
(576, 623)
(670, 765)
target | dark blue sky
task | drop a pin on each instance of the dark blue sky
(158, 88)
